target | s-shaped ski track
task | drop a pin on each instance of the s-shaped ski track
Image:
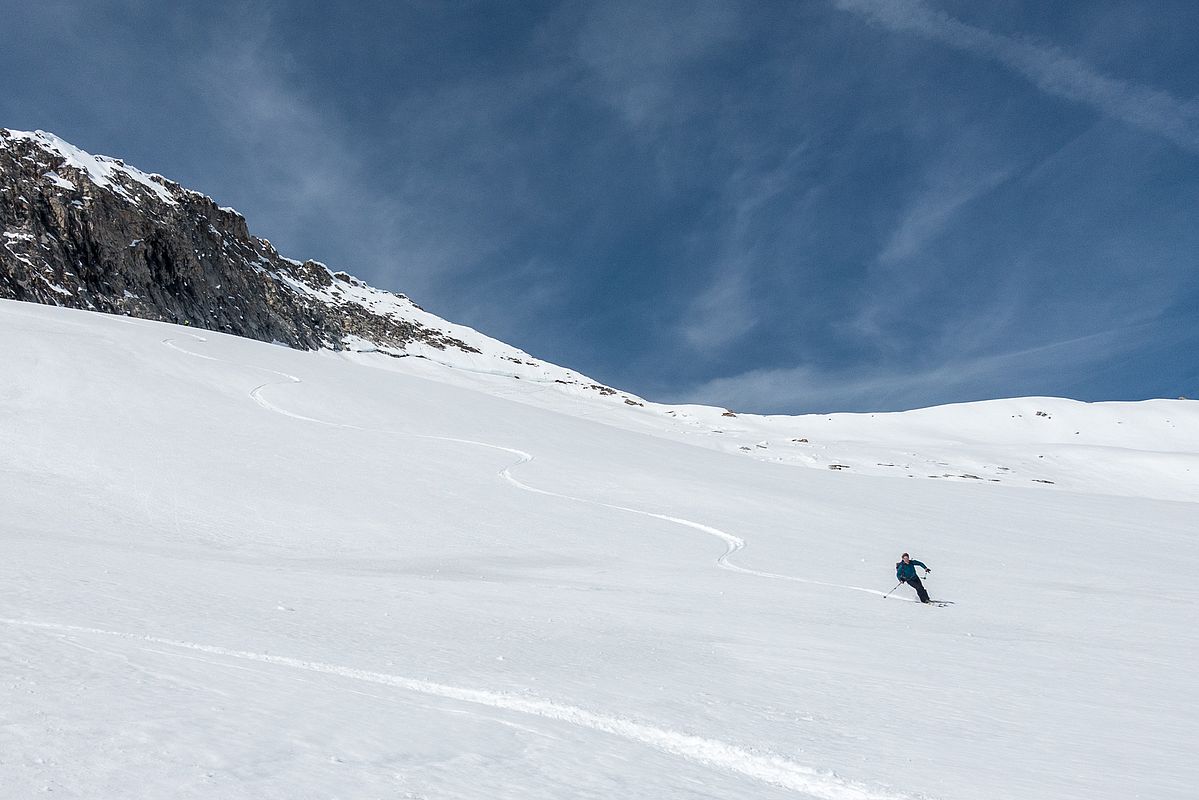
(733, 544)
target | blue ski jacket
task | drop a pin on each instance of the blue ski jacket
(907, 571)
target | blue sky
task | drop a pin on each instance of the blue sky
(777, 207)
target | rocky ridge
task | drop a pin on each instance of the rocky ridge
(91, 232)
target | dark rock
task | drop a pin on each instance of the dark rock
(145, 247)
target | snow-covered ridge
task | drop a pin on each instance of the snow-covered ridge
(1148, 448)
(102, 170)
(235, 282)
(450, 345)
(483, 354)
(240, 284)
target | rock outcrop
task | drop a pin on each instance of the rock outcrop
(90, 232)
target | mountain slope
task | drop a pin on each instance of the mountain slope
(92, 232)
(241, 571)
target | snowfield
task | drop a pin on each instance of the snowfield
(234, 570)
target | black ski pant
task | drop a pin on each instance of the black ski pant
(915, 583)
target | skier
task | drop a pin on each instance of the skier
(905, 572)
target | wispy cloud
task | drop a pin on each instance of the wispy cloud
(638, 52)
(729, 307)
(280, 144)
(819, 389)
(413, 213)
(1049, 68)
(472, 165)
(908, 275)
(722, 313)
(933, 208)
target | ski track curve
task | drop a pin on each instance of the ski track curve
(770, 769)
(766, 768)
(733, 544)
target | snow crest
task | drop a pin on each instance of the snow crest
(103, 170)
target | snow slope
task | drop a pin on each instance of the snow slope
(1139, 449)
(234, 570)
(1143, 449)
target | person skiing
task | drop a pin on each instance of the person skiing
(905, 571)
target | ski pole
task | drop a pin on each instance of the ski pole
(888, 594)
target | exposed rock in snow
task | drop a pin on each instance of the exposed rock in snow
(91, 232)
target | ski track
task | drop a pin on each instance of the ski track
(732, 543)
(769, 769)
(763, 767)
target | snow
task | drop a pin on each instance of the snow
(59, 180)
(234, 570)
(1032, 441)
(994, 442)
(102, 170)
(54, 287)
(493, 358)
